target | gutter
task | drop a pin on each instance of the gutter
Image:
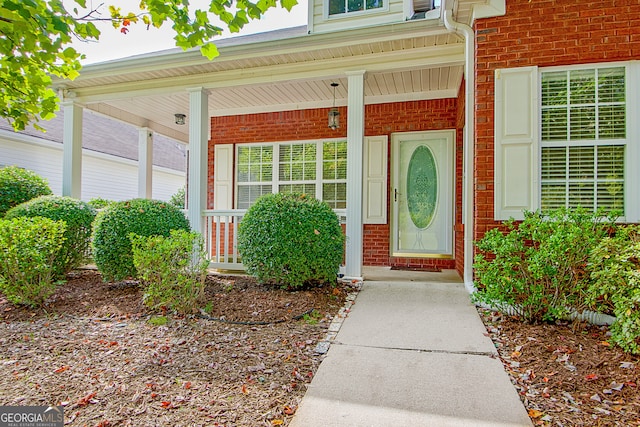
(468, 138)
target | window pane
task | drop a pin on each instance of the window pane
(335, 195)
(374, 4)
(248, 194)
(611, 85)
(553, 196)
(581, 162)
(581, 194)
(554, 163)
(583, 123)
(611, 122)
(335, 160)
(554, 88)
(611, 195)
(254, 163)
(355, 5)
(583, 87)
(336, 7)
(554, 124)
(611, 162)
(298, 162)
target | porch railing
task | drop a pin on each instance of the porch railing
(221, 236)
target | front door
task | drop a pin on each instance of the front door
(422, 194)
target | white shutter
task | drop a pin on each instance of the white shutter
(516, 163)
(374, 180)
(223, 176)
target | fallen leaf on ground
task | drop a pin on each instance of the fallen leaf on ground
(84, 401)
(534, 413)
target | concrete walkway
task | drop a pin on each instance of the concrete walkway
(412, 352)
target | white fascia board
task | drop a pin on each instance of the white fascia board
(426, 57)
(490, 9)
(176, 59)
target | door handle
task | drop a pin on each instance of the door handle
(395, 194)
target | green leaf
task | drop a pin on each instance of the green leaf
(210, 51)
(288, 4)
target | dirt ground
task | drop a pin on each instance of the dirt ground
(96, 350)
(568, 374)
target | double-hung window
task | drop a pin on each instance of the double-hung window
(317, 168)
(583, 138)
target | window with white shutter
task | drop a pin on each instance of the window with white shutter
(583, 115)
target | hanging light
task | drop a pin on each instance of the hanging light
(334, 114)
(180, 118)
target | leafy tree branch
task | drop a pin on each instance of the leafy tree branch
(35, 38)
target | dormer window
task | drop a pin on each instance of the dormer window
(339, 7)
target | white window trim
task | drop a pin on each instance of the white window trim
(346, 15)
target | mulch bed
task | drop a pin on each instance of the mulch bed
(568, 374)
(94, 348)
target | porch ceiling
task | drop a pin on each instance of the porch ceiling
(282, 70)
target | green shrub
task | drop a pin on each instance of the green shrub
(178, 199)
(100, 203)
(111, 244)
(615, 270)
(19, 185)
(78, 217)
(173, 269)
(28, 247)
(291, 240)
(539, 266)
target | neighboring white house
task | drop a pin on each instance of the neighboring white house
(110, 167)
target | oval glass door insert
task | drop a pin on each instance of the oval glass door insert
(422, 187)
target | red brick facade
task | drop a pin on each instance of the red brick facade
(380, 119)
(542, 33)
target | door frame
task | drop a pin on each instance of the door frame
(396, 140)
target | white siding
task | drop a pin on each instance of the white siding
(323, 24)
(103, 175)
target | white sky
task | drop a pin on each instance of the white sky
(113, 44)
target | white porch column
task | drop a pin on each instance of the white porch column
(198, 150)
(145, 163)
(72, 150)
(355, 141)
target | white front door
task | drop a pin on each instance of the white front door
(422, 194)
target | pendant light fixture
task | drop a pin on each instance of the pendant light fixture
(334, 114)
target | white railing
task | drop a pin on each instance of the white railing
(221, 236)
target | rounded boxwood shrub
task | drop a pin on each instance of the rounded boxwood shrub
(291, 240)
(78, 216)
(112, 249)
(19, 185)
(100, 203)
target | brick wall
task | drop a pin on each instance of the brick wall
(380, 119)
(542, 33)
